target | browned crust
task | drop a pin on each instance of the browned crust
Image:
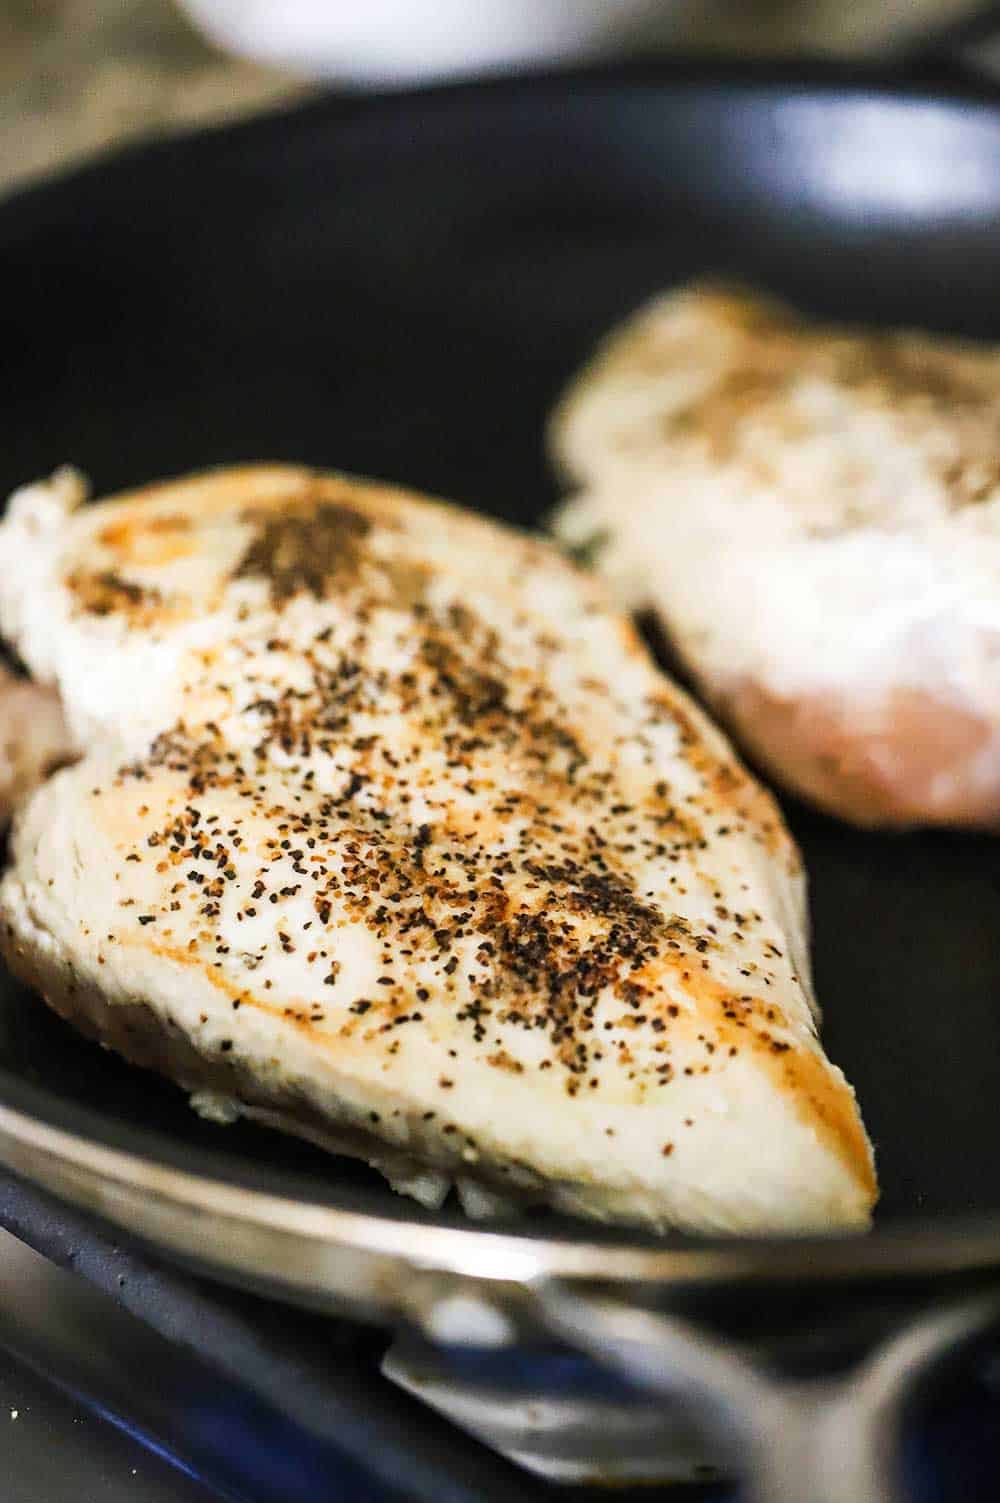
(739, 1023)
(142, 1037)
(139, 1035)
(728, 1022)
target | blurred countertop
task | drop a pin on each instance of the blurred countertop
(80, 75)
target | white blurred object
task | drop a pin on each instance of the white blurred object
(395, 42)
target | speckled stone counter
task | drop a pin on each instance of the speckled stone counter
(79, 75)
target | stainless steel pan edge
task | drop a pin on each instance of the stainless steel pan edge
(821, 1441)
(324, 1256)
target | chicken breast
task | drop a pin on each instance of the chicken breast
(814, 514)
(34, 739)
(389, 830)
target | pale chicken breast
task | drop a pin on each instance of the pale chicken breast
(389, 830)
(814, 514)
(34, 739)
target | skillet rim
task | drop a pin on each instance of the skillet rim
(215, 1224)
(693, 71)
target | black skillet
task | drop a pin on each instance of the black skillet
(400, 287)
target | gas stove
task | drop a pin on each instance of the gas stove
(123, 1378)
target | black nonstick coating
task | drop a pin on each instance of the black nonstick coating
(400, 288)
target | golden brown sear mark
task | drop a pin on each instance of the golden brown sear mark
(735, 1024)
(122, 534)
(149, 542)
(107, 593)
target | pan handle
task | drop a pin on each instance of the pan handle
(819, 1441)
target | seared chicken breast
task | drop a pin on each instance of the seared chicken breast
(814, 514)
(389, 831)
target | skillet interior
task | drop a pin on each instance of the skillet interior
(401, 288)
